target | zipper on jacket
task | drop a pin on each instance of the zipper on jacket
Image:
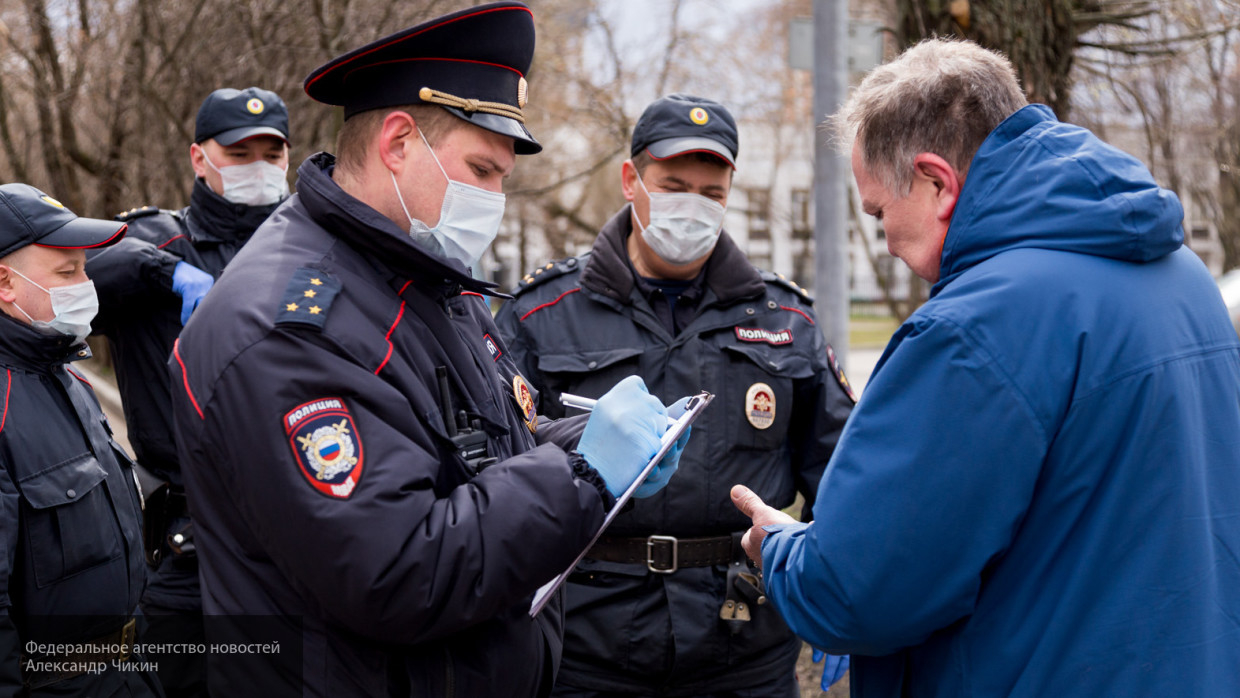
(449, 674)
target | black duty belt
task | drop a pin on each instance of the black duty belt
(666, 554)
(99, 652)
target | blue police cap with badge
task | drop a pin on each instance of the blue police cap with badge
(231, 116)
(679, 124)
(472, 62)
(30, 217)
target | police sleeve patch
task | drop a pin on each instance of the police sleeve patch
(838, 371)
(307, 299)
(326, 445)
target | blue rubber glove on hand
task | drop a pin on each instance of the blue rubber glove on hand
(834, 669)
(191, 284)
(666, 468)
(623, 433)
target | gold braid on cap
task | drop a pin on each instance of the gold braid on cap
(426, 94)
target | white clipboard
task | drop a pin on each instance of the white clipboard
(696, 404)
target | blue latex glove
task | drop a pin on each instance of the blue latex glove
(191, 284)
(666, 467)
(623, 433)
(834, 669)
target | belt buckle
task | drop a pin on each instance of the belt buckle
(128, 634)
(650, 543)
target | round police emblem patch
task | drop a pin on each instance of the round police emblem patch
(760, 405)
(255, 106)
(699, 116)
(521, 391)
(326, 445)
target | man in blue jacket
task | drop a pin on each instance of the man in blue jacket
(1039, 492)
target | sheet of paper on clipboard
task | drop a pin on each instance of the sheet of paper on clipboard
(696, 404)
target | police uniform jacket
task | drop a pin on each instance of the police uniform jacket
(583, 324)
(71, 531)
(141, 316)
(140, 313)
(312, 434)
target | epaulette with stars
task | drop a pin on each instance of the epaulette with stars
(137, 213)
(547, 272)
(308, 298)
(785, 282)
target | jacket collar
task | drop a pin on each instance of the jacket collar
(22, 346)
(729, 274)
(212, 218)
(372, 232)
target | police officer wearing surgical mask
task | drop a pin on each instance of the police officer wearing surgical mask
(71, 567)
(148, 285)
(664, 603)
(363, 459)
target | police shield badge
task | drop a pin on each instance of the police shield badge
(521, 391)
(760, 405)
(326, 445)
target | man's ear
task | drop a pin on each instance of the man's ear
(946, 181)
(397, 135)
(8, 294)
(628, 179)
(198, 160)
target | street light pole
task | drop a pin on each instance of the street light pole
(831, 172)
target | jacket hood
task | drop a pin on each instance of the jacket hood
(25, 347)
(1039, 183)
(212, 218)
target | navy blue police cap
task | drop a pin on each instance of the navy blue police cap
(472, 62)
(30, 217)
(231, 116)
(679, 124)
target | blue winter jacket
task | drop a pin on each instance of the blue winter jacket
(1039, 492)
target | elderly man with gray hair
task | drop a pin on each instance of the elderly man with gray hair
(1039, 491)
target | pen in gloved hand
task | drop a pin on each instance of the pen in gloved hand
(587, 404)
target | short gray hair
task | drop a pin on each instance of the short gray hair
(941, 96)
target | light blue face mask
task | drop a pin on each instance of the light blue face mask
(74, 307)
(469, 219)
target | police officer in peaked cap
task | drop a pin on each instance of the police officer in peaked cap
(665, 279)
(361, 455)
(148, 286)
(70, 509)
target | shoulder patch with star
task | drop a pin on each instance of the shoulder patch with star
(549, 271)
(139, 212)
(784, 282)
(307, 299)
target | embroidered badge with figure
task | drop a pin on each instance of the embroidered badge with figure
(326, 445)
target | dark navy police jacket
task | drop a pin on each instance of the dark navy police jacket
(322, 480)
(70, 512)
(141, 316)
(580, 325)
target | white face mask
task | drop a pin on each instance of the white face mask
(469, 219)
(257, 183)
(683, 226)
(74, 307)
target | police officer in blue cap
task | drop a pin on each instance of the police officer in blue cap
(666, 294)
(148, 286)
(70, 511)
(360, 451)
